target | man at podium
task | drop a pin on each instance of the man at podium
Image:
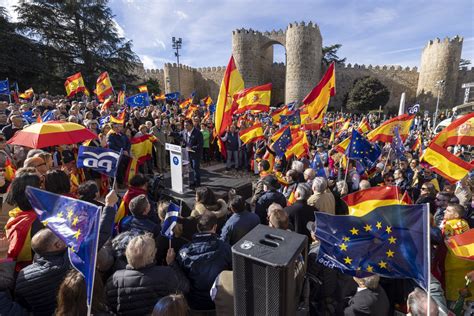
(193, 142)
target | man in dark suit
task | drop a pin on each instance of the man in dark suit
(193, 141)
(300, 213)
(370, 298)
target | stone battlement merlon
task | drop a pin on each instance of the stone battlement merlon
(437, 41)
(397, 68)
(303, 24)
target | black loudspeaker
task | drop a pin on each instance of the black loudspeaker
(269, 267)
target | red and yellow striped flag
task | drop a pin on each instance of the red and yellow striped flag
(364, 126)
(207, 100)
(318, 99)
(462, 245)
(447, 165)
(75, 84)
(107, 103)
(384, 132)
(143, 88)
(187, 102)
(307, 123)
(121, 98)
(119, 119)
(363, 202)
(103, 86)
(251, 134)
(292, 198)
(298, 147)
(276, 114)
(254, 99)
(9, 170)
(28, 94)
(459, 132)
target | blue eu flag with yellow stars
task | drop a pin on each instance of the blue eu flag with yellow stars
(391, 241)
(140, 99)
(291, 118)
(361, 149)
(281, 144)
(76, 223)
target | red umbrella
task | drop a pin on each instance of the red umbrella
(51, 133)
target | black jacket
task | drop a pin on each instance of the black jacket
(37, 284)
(299, 214)
(195, 142)
(135, 292)
(140, 223)
(264, 201)
(368, 302)
(202, 260)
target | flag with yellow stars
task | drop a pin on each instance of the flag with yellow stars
(76, 223)
(361, 149)
(391, 241)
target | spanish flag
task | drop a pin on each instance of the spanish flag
(462, 245)
(103, 86)
(447, 165)
(459, 132)
(141, 147)
(384, 132)
(278, 113)
(254, 99)
(28, 94)
(120, 119)
(364, 126)
(270, 157)
(344, 127)
(190, 111)
(292, 198)
(417, 147)
(342, 146)
(183, 105)
(231, 84)
(251, 134)
(307, 123)
(318, 99)
(207, 100)
(363, 202)
(298, 147)
(75, 84)
(107, 103)
(278, 133)
(121, 98)
(18, 231)
(9, 170)
(160, 97)
(143, 88)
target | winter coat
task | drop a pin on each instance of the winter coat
(264, 202)
(136, 291)
(238, 225)
(202, 260)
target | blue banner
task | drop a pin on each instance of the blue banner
(140, 99)
(99, 159)
(174, 96)
(171, 219)
(4, 87)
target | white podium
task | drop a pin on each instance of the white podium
(176, 166)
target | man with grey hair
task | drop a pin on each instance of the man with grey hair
(298, 166)
(370, 298)
(417, 303)
(364, 184)
(139, 219)
(322, 198)
(309, 175)
(300, 213)
(143, 281)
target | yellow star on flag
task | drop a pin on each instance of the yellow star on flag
(370, 268)
(392, 240)
(45, 223)
(347, 260)
(382, 264)
(379, 225)
(69, 214)
(346, 238)
(388, 229)
(75, 220)
(368, 227)
(343, 247)
(354, 231)
(60, 215)
(76, 235)
(390, 253)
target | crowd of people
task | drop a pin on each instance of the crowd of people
(141, 272)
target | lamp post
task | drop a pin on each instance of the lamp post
(177, 43)
(439, 84)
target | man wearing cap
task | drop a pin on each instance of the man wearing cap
(270, 195)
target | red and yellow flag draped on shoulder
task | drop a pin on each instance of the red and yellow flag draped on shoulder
(231, 83)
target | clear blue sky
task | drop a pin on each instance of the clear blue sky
(371, 32)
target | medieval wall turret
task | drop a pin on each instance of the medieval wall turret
(303, 60)
(246, 51)
(439, 61)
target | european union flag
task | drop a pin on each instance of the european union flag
(99, 159)
(171, 219)
(391, 241)
(104, 120)
(397, 144)
(4, 87)
(361, 149)
(281, 144)
(212, 108)
(172, 96)
(48, 116)
(28, 117)
(318, 166)
(140, 99)
(76, 223)
(291, 118)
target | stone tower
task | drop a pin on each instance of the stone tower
(439, 61)
(303, 60)
(253, 54)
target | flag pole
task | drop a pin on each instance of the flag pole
(89, 306)
(386, 161)
(428, 240)
(347, 169)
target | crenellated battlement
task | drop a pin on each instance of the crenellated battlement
(457, 40)
(397, 68)
(303, 24)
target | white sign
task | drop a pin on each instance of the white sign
(176, 163)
